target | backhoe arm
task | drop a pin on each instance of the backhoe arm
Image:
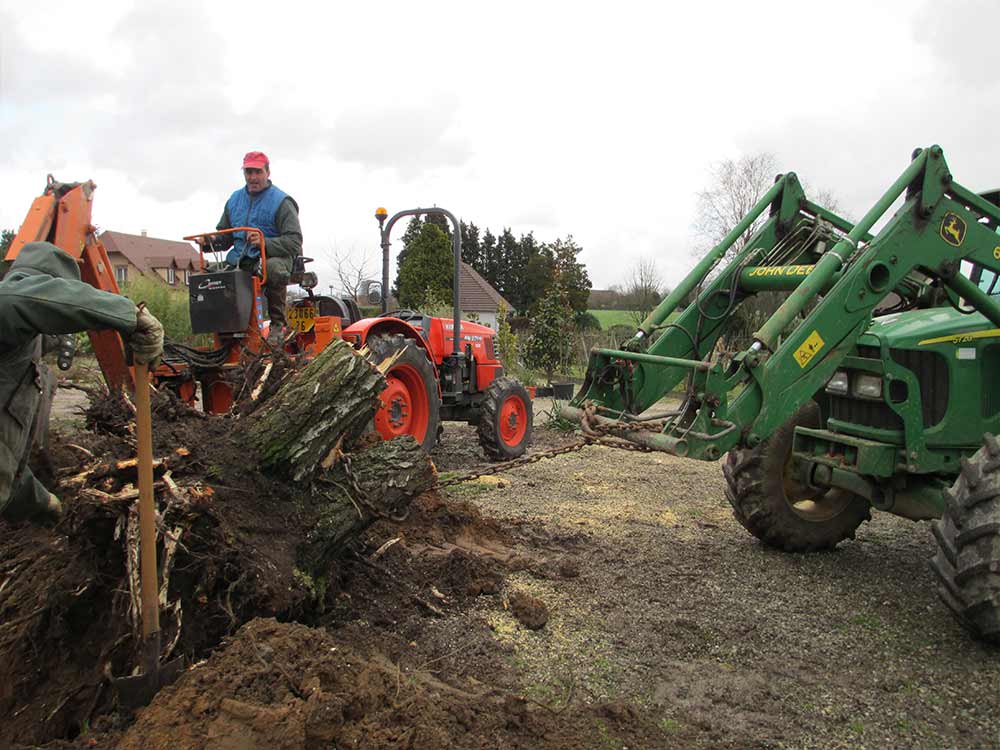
(62, 216)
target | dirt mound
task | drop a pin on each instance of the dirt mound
(291, 687)
(67, 618)
(69, 623)
(371, 654)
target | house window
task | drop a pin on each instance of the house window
(121, 274)
(171, 276)
(187, 277)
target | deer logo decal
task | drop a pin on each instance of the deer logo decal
(953, 229)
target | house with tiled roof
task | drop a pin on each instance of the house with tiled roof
(138, 255)
(478, 297)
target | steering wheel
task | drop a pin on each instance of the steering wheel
(404, 314)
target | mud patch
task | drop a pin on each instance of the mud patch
(529, 610)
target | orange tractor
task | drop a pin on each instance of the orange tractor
(434, 376)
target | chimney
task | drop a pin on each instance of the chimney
(143, 232)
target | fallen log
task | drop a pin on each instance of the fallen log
(327, 404)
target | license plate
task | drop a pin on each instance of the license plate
(302, 319)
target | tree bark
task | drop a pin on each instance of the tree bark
(326, 405)
(379, 482)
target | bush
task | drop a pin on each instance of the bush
(506, 341)
(169, 305)
(586, 321)
(550, 343)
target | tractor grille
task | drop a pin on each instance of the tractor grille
(989, 376)
(862, 412)
(931, 372)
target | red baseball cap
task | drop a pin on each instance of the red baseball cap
(256, 160)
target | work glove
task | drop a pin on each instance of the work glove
(146, 341)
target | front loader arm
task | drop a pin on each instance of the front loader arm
(937, 227)
(625, 385)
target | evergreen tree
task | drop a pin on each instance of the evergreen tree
(471, 252)
(411, 233)
(488, 253)
(426, 273)
(518, 275)
(548, 344)
(440, 221)
(541, 275)
(506, 260)
(570, 272)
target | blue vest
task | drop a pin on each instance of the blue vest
(258, 211)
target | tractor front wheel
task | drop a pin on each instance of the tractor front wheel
(505, 422)
(410, 401)
(777, 509)
(967, 562)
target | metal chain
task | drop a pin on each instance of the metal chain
(489, 469)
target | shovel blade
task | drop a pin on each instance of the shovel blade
(136, 691)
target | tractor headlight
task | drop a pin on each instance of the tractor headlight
(838, 384)
(867, 386)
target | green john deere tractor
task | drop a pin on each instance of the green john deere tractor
(875, 384)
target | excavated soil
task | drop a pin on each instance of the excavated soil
(599, 599)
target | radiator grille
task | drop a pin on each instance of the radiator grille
(931, 371)
(990, 376)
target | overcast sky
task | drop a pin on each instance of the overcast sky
(599, 120)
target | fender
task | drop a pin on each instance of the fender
(357, 333)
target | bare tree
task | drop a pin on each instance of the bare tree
(735, 188)
(353, 270)
(643, 288)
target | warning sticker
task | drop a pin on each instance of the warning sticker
(809, 349)
(301, 319)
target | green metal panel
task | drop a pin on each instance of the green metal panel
(861, 456)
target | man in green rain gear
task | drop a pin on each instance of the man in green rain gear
(42, 294)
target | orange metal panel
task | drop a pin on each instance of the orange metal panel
(216, 395)
(36, 225)
(73, 220)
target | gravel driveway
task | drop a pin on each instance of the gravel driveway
(681, 613)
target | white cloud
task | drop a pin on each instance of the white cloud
(558, 118)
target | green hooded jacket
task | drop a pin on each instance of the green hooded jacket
(41, 294)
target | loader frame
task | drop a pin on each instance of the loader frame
(836, 274)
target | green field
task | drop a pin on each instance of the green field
(610, 318)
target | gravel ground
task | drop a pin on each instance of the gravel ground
(681, 613)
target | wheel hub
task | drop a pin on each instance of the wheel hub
(513, 420)
(396, 407)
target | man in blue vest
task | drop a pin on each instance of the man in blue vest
(263, 205)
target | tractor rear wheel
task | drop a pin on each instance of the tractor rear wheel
(410, 402)
(505, 422)
(967, 562)
(777, 509)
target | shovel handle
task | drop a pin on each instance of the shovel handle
(150, 593)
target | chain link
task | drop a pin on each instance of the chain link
(489, 469)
